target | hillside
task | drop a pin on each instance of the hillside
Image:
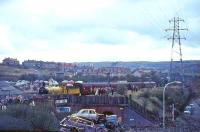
(13, 73)
(189, 65)
(191, 68)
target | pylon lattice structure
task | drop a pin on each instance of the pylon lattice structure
(175, 73)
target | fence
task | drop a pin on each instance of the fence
(173, 129)
(97, 100)
(105, 100)
(88, 100)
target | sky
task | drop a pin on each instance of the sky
(96, 30)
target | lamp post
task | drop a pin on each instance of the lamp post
(174, 82)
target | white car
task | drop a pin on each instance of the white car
(88, 113)
(188, 109)
(187, 112)
(192, 105)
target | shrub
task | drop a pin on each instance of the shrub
(40, 117)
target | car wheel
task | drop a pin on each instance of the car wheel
(73, 129)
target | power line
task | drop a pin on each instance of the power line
(176, 38)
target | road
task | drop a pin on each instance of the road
(193, 120)
(196, 111)
(132, 119)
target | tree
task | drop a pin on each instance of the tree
(131, 78)
(122, 89)
(28, 77)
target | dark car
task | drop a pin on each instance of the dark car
(79, 124)
(43, 91)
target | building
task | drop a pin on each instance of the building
(49, 65)
(28, 64)
(60, 75)
(39, 64)
(141, 72)
(8, 89)
(32, 64)
(11, 62)
(103, 71)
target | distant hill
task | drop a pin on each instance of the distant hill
(191, 68)
(163, 65)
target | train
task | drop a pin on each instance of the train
(90, 88)
(65, 87)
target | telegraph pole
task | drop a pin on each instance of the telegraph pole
(108, 76)
(176, 39)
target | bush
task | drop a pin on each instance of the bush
(145, 93)
(156, 101)
(12, 123)
(122, 89)
(29, 77)
(39, 117)
(152, 98)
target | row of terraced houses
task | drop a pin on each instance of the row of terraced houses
(68, 67)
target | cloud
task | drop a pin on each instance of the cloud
(5, 42)
(132, 49)
(97, 29)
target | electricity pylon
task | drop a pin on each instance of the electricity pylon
(176, 39)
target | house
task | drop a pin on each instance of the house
(11, 62)
(39, 64)
(141, 72)
(138, 73)
(31, 64)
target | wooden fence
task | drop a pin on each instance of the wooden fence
(104, 100)
(88, 100)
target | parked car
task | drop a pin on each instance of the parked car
(192, 105)
(89, 114)
(189, 109)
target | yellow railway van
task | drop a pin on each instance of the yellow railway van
(65, 88)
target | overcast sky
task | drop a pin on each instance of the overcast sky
(96, 30)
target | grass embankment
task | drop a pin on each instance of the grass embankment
(152, 99)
